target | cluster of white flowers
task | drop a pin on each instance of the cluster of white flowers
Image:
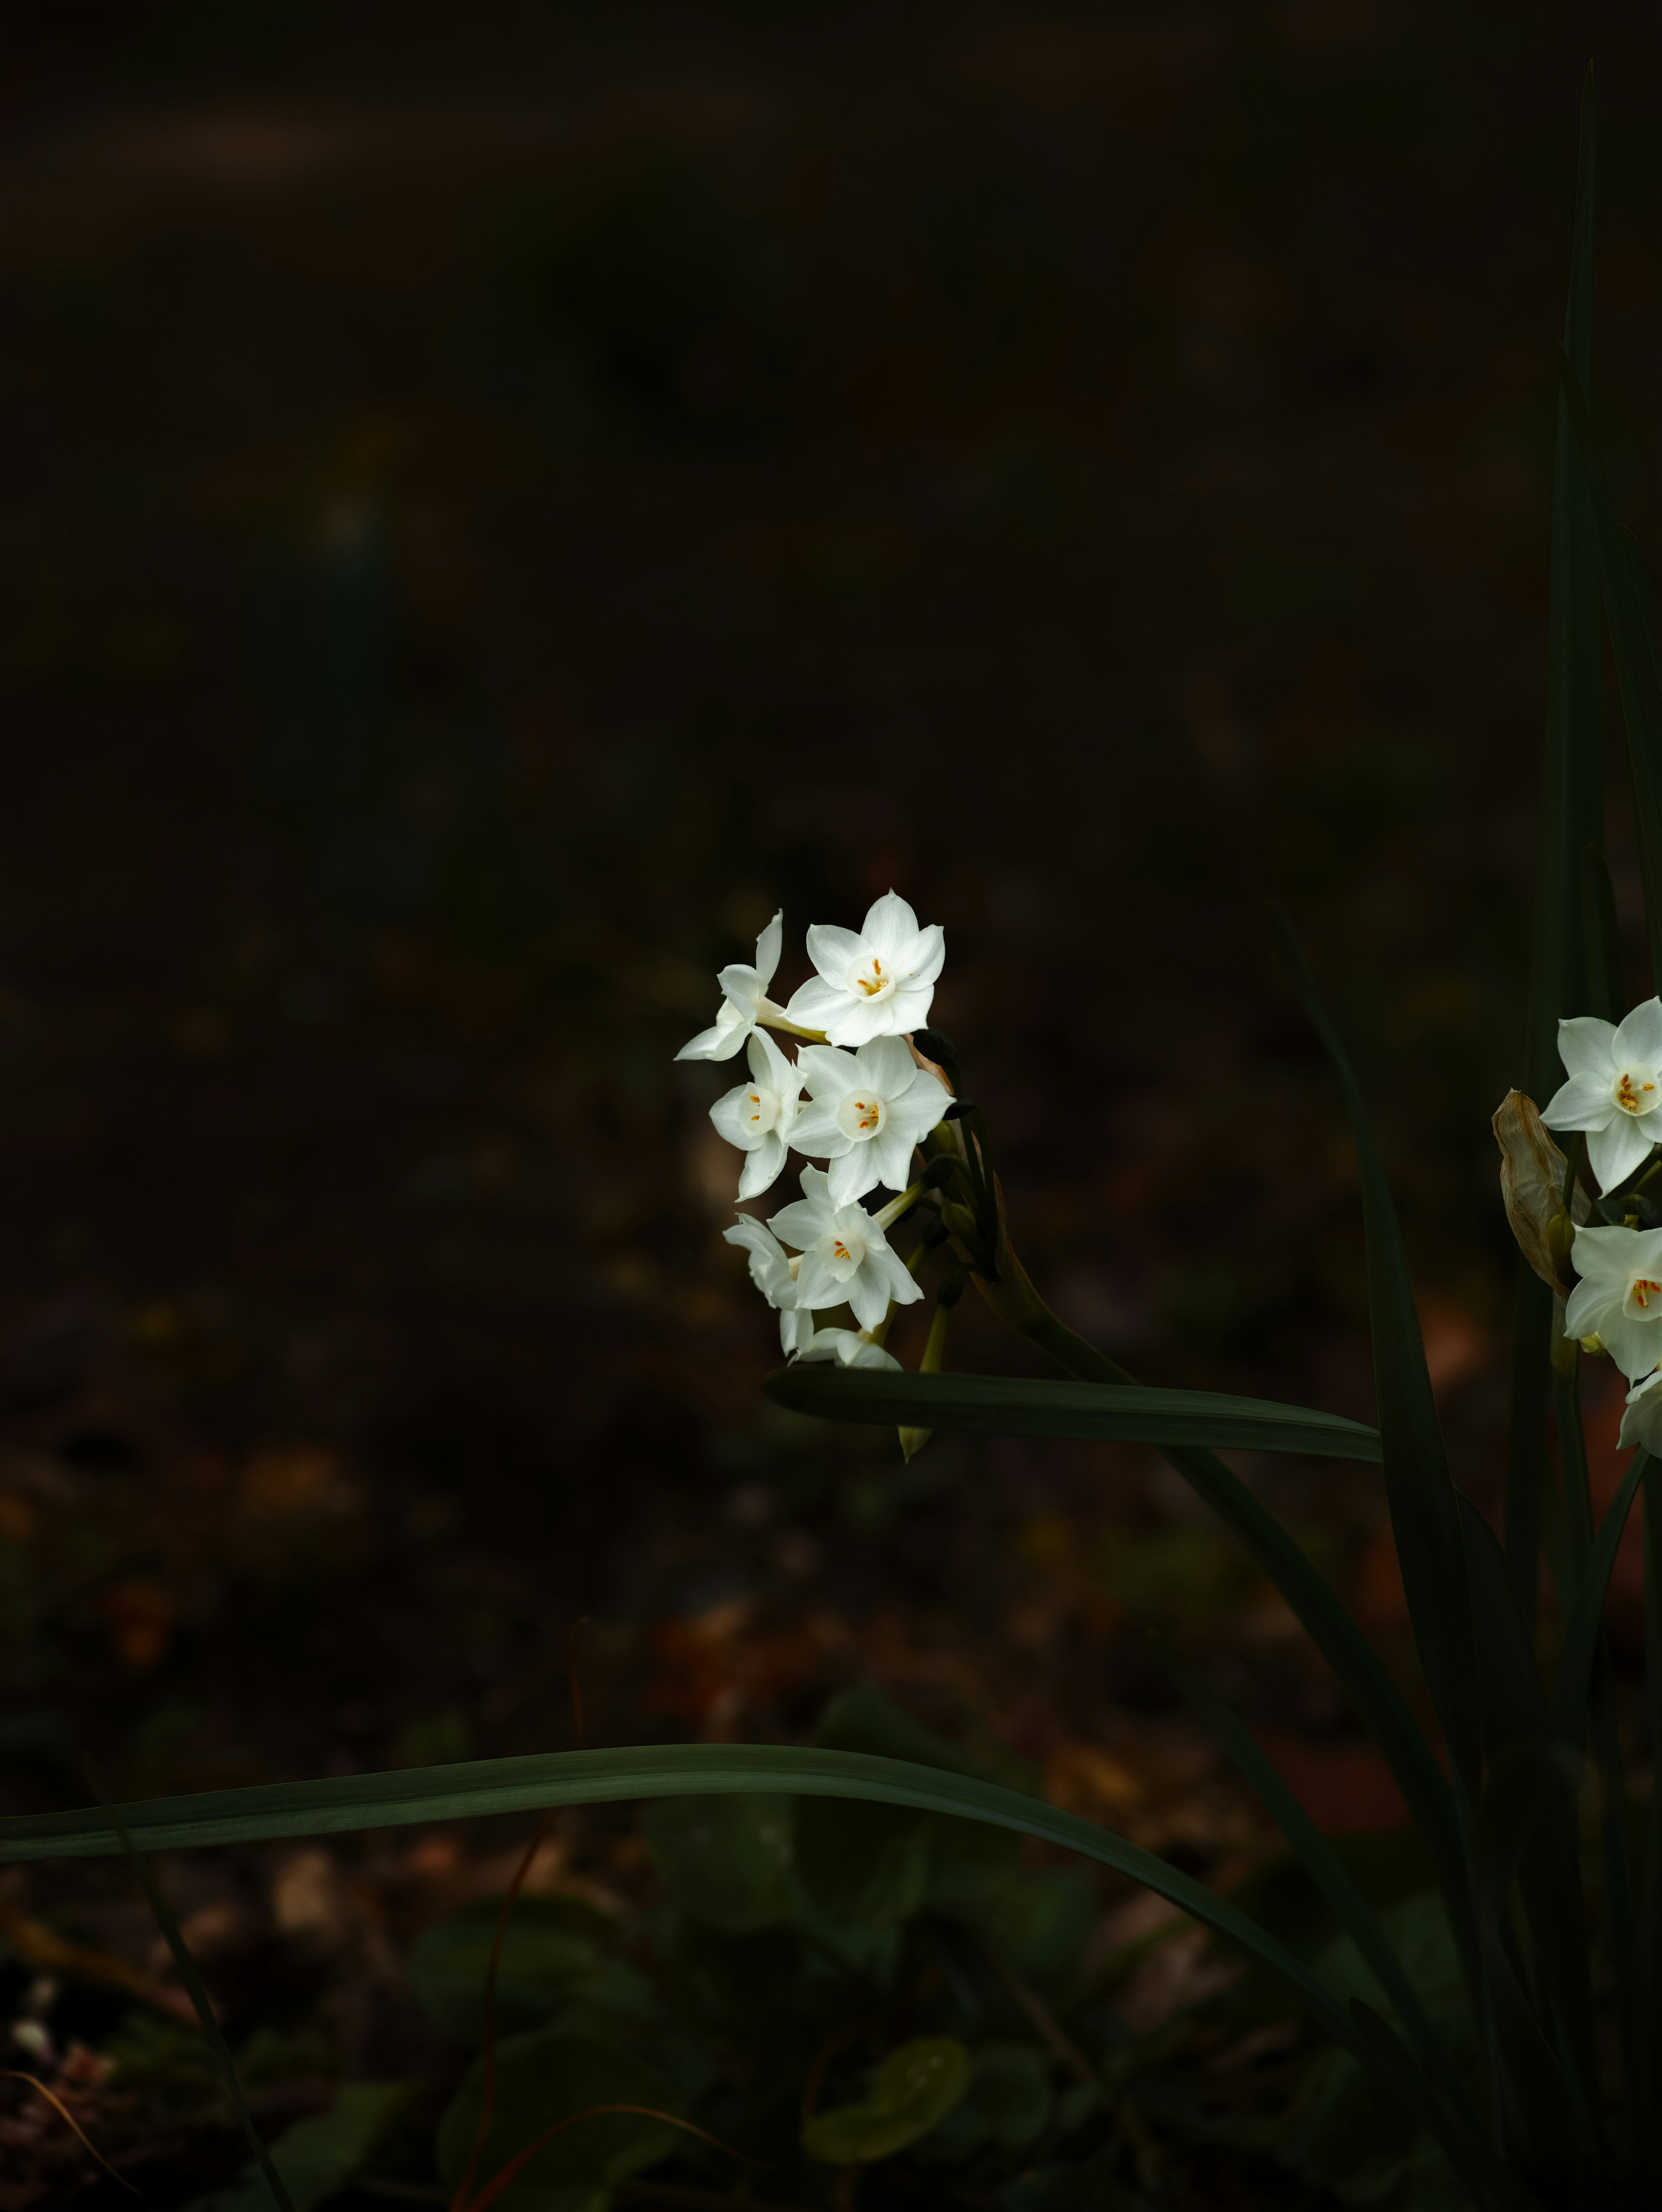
(868, 1105)
(1614, 1095)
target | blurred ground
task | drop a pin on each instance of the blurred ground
(499, 501)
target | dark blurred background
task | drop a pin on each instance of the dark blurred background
(499, 498)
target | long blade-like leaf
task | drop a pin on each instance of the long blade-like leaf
(1636, 677)
(1008, 1406)
(1651, 1908)
(344, 1803)
(1550, 1870)
(1350, 1908)
(1425, 1515)
(1379, 1704)
(1572, 1682)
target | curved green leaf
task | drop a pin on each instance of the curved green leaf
(347, 1802)
(1008, 1406)
(911, 2092)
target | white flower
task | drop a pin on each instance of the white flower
(1642, 1422)
(759, 1115)
(879, 983)
(1615, 1089)
(845, 1255)
(847, 1349)
(774, 1273)
(1619, 1297)
(870, 1107)
(744, 1002)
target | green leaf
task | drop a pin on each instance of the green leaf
(554, 1953)
(1007, 2101)
(317, 2158)
(873, 1866)
(1651, 1911)
(344, 1803)
(1425, 1516)
(911, 2092)
(1005, 1406)
(1582, 1631)
(1549, 1871)
(1346, 1902)
(1630, 622)
(542, 2079)
(727, 1860)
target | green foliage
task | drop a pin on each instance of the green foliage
(727, 1860)
(555, 1956)
(317, 2158)
(912, 2091)
(542, 2079)
(1004, 1406)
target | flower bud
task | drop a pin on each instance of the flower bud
(940, 1049)
(940, 1172)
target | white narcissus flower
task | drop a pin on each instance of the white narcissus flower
(878, 983)
(1642, 1422)
(847, 1349)
(759, 1115)
(870, 1109)
(846, 1257)
(745, 999)
(1619, 1297)
(1615, 1089)
(774, 1273)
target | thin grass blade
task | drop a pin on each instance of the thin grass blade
(1652, 1904)
(1584, 1629)
(1425, 1515)
(1008, 1406)
(196, 1990)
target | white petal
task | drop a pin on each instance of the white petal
(1615, 1151)
(1606, 1254)
(1583, 1102)
(1635, 1346)
(925, 959)
(857, 1021)
(720, 1042)
(793, 1328)
(761, 1171)
(815, 1132)
(816, 1186)
(890, 927)
(853, 1175)
(814, 1003)
(864, 1353)
(1640, 1036)
(816, 1286)
(1586, 1045)
(867, 1296)
(769, 1065)
(890, 1155)
(1589, 1307)
(903, 1288)
(833, 951)
(731, 1115)
(911, 1007)
(888, 1065)
(825, 1068)
(920, 1111)
(768, 945)
(743, 986)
